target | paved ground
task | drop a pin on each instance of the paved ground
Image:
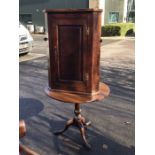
(112, 130)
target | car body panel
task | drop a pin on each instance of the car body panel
(25, 40)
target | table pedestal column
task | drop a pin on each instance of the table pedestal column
(78, 121)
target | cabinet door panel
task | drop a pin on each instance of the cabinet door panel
(68, 52)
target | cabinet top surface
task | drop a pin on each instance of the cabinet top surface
(72, 10)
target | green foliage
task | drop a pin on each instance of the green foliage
(118, 29)
(111, 30)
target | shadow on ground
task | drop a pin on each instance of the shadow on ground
(120, 80)
(29, 107)
(70, 142)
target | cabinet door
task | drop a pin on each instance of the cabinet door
(68, 52)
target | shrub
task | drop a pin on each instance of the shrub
(117, 29)
(130, 33)
(110, 30)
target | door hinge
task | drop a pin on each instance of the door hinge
(86, 76)
(87, 30)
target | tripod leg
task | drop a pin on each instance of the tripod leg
(82, 131)
(68, 124)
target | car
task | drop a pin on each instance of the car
(25, 40)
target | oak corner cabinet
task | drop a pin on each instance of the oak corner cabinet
(74, 51)
(74, 56)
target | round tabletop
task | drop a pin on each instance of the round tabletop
(63, 96)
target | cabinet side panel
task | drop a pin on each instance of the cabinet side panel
(96, 50)
(70, 52)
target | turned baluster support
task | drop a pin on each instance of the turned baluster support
(78, 121)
